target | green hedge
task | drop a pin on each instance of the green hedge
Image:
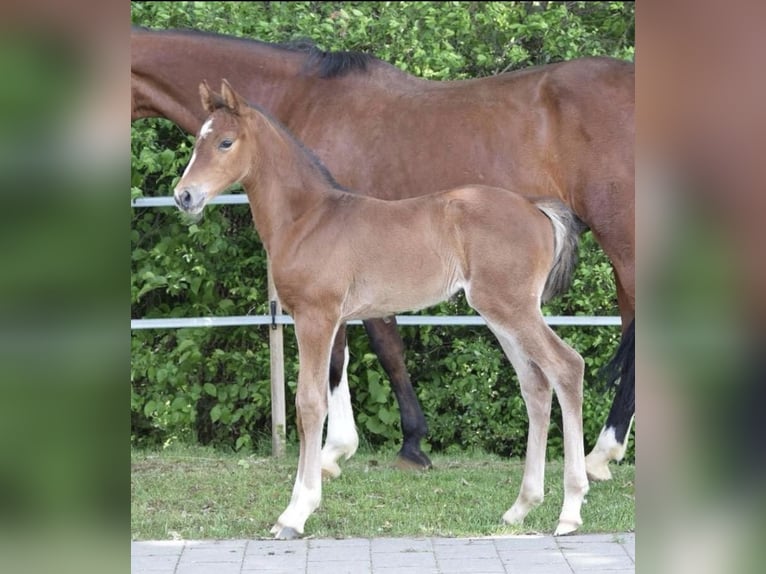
(212, 385)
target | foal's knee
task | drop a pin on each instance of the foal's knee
(311, 406)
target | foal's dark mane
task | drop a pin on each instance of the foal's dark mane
(318, 62)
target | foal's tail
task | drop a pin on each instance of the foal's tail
(567, 228)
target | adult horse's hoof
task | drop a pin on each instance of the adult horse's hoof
(412, 460)
(287, 533)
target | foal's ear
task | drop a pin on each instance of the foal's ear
(232, 99)
(208, 97)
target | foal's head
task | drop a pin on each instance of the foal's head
(222, 156)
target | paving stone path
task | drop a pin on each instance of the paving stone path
(577, 554)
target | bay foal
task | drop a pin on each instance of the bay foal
(334, 254)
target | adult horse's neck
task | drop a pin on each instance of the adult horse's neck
(286, 183)
(167, 67)
(166, 70)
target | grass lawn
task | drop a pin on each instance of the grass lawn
(199, 493)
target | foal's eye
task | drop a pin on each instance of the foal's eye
(225, 144)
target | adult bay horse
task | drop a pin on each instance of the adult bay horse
(329, 266)
(562, 130)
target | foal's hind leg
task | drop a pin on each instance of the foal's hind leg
(537, 394)
(542, 361)
(342, 438)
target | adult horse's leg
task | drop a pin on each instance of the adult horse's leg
(387, 344)
(614, 232)
(613, 439)
(315, 335)
(342, 438)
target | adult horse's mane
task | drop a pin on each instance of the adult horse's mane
(319, 62)
(329, 64)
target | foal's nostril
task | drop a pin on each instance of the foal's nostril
(184, 199)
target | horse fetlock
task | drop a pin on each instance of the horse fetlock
(515, 514)
(523, 505)
(351, 446)
(304, 502)
(607, 448)
(330, 467)
(332, 452)
(574, 497)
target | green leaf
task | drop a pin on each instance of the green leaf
(210, 389)
(179, 404)
(387, 416)
(215, 413)
(375, 426)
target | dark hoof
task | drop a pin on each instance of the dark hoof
(287, 533)
(413, 461)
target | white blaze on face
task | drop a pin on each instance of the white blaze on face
(206, 128)
(191, 161)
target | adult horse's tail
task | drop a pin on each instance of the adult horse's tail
(567, 228)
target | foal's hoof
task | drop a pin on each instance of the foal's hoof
(287, 533)
(597, 471)
(412, 460)
(330, 471)
(515, 515)
(566, 527)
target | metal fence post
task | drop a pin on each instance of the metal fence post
(276, 352)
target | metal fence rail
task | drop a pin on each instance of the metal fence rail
(229, 199)
(454, 320)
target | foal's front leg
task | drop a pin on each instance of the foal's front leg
(314, 346)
